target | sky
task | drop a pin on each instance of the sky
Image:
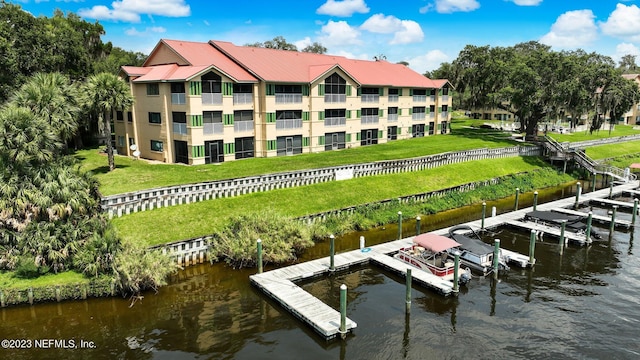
(424, 33)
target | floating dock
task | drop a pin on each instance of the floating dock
(596, 218)
(622, 205)
(549, 230)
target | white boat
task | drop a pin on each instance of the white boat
(430, 253)
(478, 255)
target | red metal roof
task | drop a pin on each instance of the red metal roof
(435, 243)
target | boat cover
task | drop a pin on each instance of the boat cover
(472, 245)
(435, 243)
(573, 221)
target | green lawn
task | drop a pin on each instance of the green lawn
(203, 218)
(620, 130)
(8, 281)
(613, 150)
(132, 175)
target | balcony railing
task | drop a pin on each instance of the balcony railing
(419, 98)
(418, 116)
(180, 128)
(445, 98)
(393, 98)
(283, 124)
(288, 98)
(444, 115)
(335, 98)
(392, 117)
(242, 126)
(432, 115)
(213, 128)
(211, 98)
(369, 119)
(370, 98)
(243, 98)
(335, 121)
(178, 98)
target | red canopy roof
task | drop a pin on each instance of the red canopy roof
(435, 243)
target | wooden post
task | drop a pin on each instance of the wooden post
(493, 211)
(611, 190)
(612, 226)
(563, 226)
(578, 191)
(2, 299)
(515, 206)
(456, 271)
(361, 242)
(589, 219)
(417, 225)
(30, 295)
(259, 244)
(58, 293)
(484, 213)
(535, 200)
(635, 212)
(343, 311)
(332, 251)
(594, 181)
(399, 225)
(532, 247)
(496, 257)
(408, 291)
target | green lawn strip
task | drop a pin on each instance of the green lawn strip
(9, 281)
(198, 219)
(131, 175)
(613, 150)
(620, 130)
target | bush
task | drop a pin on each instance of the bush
(27, 268)
(137, 269)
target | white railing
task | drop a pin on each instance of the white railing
(180, 128)
(370, 98)
(445, 98)
(288, 98)
(241, 126)
(369, 119)
(178, 98)
(392, 117)
(213, 128)
(393, 98)
(335, 121)
(419, 98)
(211, 99)
(432, 115)
(418, 116)
(243, 98)
(335, 98)
(283, 124)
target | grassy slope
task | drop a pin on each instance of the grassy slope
(198, 219)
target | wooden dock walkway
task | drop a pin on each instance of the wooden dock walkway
(280, 285)
(622, 205)
(549, 230)
(596, 218)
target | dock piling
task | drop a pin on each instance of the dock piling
(259, 245)
(589, 220)
(578, 193)
(417, 225)
(635, 212)
(594, 180)
(408, 292)
(611, 190)
(493, 211)
(496, 257)
(456, 271)
(532, 247)
(361, 242)
(484, 213)
(515, 206)
(613, 220)
(535, 200)
(399, 225)
(332, 252)
(343, 311)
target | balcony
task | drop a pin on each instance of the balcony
(285, 124)
(418, 116)
(335, 98)
(242, 98)
(243, 126)
(335, 121)
(444, 115)
(213, 128)
(445, 98)
(393, 98)
(178, 98)
(392, 117)
(288, 98)
(180, 128)
(370, 98)
(419, 98)
(211, 98)
(369, 119)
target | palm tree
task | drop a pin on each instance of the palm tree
(52, 97)
(106, 93)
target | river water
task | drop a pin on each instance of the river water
(578, 303)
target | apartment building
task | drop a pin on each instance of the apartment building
(211, 102)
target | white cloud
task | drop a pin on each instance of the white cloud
(343, 8)
(450, 6)
(623, 49)
(156, 29)
(429, 61)
(301, 44)
(572, 29)
(130, 10)
(411, 33)
(339, 33)
(526, 2)
(350, 55)
(623, 22)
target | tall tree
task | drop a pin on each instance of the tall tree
(628, 64)
(316, 48)
(278, 42)
(106, 93)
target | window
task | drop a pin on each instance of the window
(242, 88)
(211, 83)
(445, 108)
(288, 89)
(154, 118)
(120, 141)
(119, 115)
(444, 127)
(369, 116)
(289, 145)
(244, 147)
(177, 88)
(432, 92)
(393, 91)
(335, 84)
(179, 122)
(153, 89)
(129, 116)
(334, 141)
(445, 91)
(392, 132)
(417, 130)
(243, 115)
(420, 92)
(156, 145)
